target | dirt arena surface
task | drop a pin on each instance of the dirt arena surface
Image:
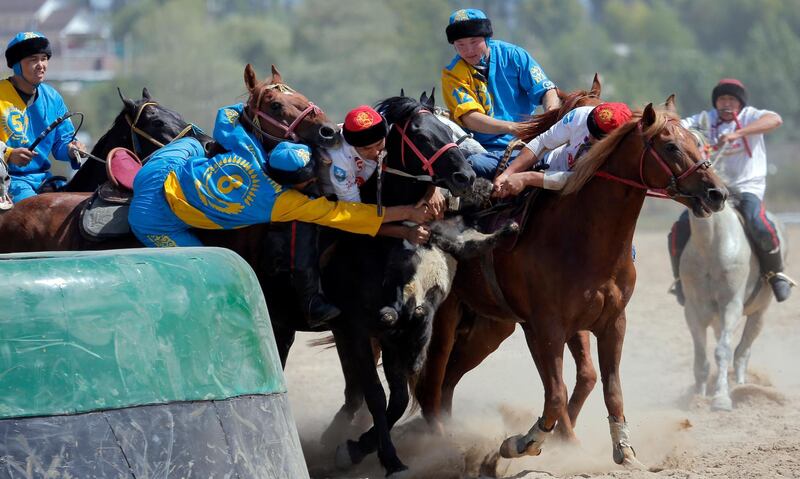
(675, 434)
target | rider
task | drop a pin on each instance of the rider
(180, 188)
(355, 160)
(736, 132)
(489, 85)
(564, 143)
(27, 107)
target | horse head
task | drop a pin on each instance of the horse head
(655, 152)
(281, 113)
(421, 146)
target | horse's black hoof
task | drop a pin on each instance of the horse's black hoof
(388, 316)
(398, 471)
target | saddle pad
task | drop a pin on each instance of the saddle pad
(122, 166)
(101, 220)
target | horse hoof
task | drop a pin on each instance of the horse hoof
(343, 460)
(388, 317)
(721, 403)
(515, 446)
(626, 457)
(404, 473)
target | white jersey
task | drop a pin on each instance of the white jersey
(740, 171)
(566, 140)
(348, 171)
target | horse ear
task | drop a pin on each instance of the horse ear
(402, 92)
(648, 115)
(596, 87)
(276, 75)
(670, 104)
(146, 94)
(250, 79)
(129, 104)
(424, 97)
(431, 103)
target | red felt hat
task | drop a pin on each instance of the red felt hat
(364, 126)
(605, 117)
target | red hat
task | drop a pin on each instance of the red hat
(364, 126)
(605, 117)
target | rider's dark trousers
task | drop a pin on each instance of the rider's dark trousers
(762, 232)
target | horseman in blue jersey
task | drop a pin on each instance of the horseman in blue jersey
(180, 189)
(27, 107)
(489, 85)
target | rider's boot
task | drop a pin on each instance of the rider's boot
(772, 265)
(317, 311)
(675, 250)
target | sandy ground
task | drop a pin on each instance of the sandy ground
(675, 435)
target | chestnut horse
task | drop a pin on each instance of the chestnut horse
(572, 270)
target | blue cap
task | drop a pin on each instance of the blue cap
(290, 163)
(25, 44)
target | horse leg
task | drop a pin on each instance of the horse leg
(353, 398)
(548, 354)
(752, 328)
(470, 349)
(586, 376)
(698, 326)
(609, 350)
(723, 353)
(429, 389)
(353, 452)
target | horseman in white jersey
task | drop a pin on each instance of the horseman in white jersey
(561, 146)
(735, 131)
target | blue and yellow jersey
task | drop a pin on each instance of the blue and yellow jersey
(20, 124)
(515, 86)
(231, 190)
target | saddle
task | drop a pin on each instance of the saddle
(105, 216)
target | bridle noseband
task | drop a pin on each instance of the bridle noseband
(672, 190)
(427, 163)
(287, 130)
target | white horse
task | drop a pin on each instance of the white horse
(722, 282)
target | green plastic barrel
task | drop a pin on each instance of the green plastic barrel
(140, 363)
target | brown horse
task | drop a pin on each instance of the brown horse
(572, 271)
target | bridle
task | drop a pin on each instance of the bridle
(135, 130)
(286, 129)
(427, 163)
(672, 190)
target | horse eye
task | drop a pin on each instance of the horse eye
(672, 148)
(275, 106)
(159, 123)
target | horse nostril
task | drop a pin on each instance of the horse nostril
(462, 179)
(326, 132)
(717, 195)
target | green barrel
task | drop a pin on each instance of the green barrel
(140, 363)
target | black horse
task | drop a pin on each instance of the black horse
(420, 146)
(143, 126)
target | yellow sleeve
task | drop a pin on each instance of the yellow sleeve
(459, 93)
(291, 205)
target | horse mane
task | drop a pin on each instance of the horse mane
(397, 108)
(100, 144)
(588, 164)
(540, 123)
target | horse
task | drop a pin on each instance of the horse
(579, 285)
(722, 282)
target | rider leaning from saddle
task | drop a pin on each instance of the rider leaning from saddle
(180, 188)
(489, 85)
(27, 107)
(355, 160)
(561, 146)
(736, 131)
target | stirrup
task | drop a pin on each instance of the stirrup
(781, 275)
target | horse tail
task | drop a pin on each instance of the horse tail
(328, 342)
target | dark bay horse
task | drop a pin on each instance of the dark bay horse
(572, 270)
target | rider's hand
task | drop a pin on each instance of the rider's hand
(501, 178)
(436, 201)
(20, 156)
(728, 137)
(418, 234)
(512, 186)
(420, 215)
(74, 146)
